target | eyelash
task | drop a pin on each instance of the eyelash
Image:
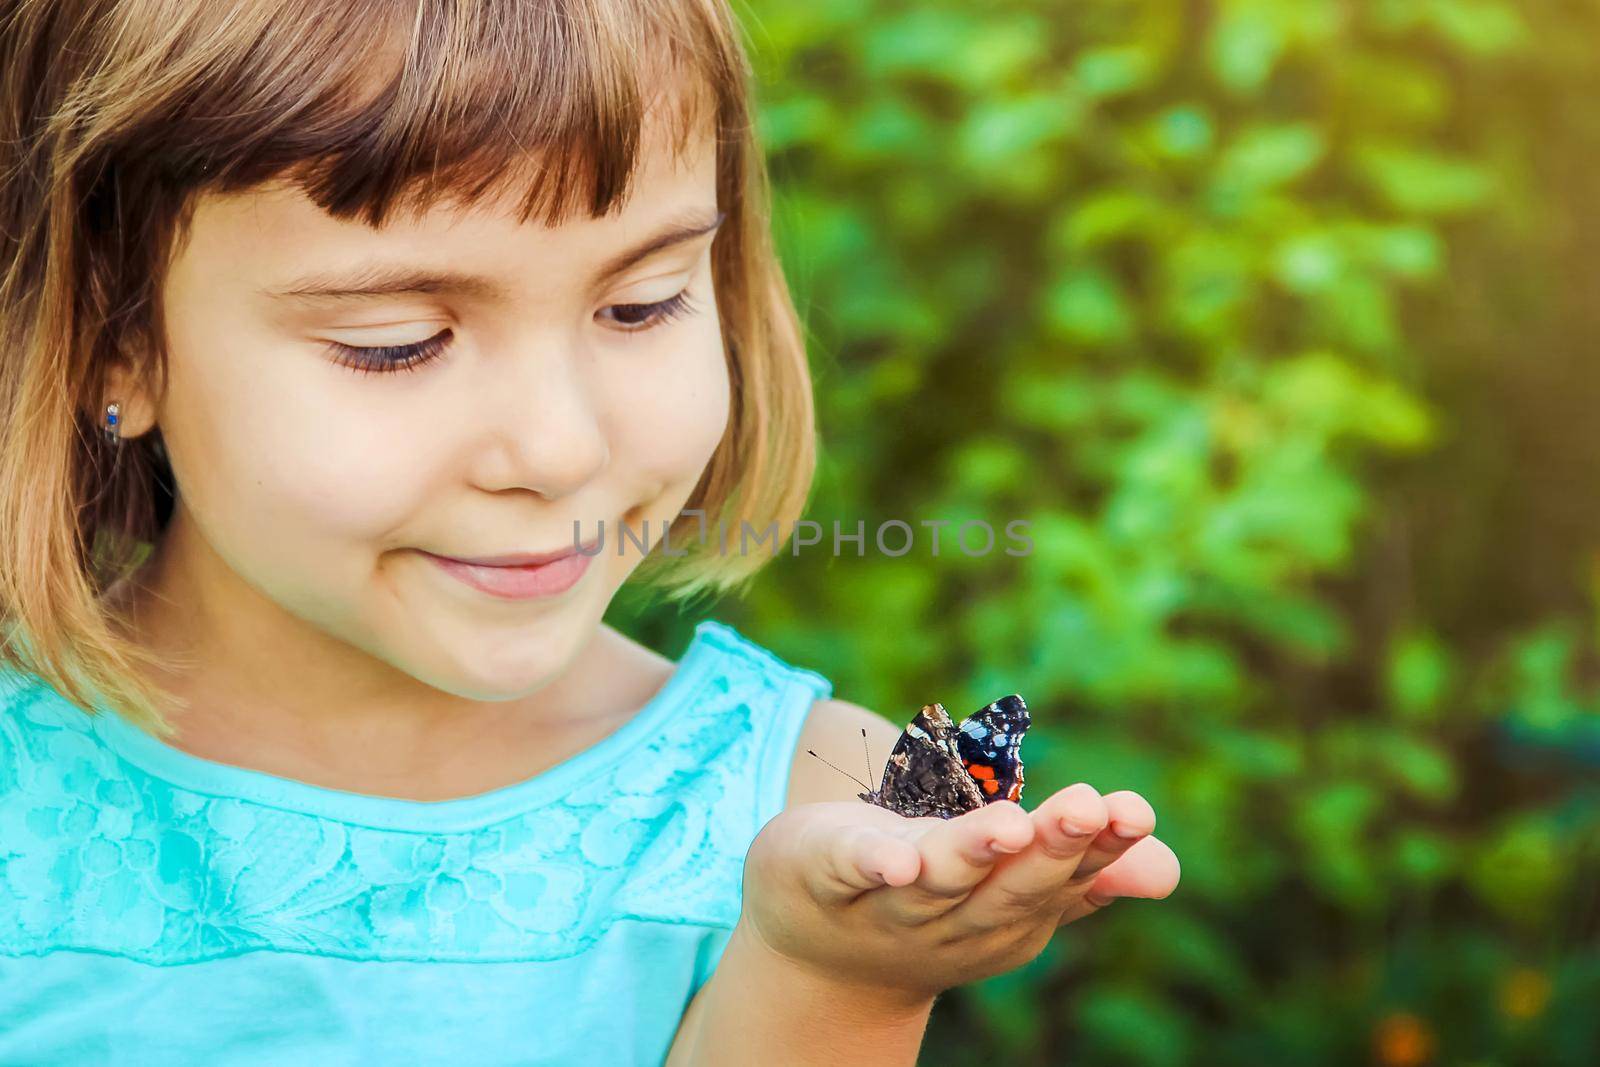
(384, 359)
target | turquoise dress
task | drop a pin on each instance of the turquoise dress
(160, 908)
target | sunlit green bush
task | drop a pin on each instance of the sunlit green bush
(1271, 317)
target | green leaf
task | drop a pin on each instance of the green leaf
(1110, 215)
(1520, 869)
(1085, 306)
(1134, 1027)
(996, 134)
(1184, 132)
(1423, 182)
(1420, 671)
(1245, 46)
(1113, 71)
(1479, 26)
(1310, 263)
(1263, 157)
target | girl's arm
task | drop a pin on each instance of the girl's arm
(759, 1007)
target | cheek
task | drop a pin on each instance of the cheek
(264, 455)
(669, 409)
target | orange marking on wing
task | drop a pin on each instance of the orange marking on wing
(980, 770)
(991, 786)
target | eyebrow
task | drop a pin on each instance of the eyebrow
(386, 279)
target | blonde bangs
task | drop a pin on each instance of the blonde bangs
(114, 116)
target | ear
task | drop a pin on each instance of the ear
(135, 399)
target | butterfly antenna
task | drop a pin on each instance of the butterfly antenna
(866, 750)
(847, 774)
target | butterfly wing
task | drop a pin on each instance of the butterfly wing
(925, 774)
(989, 743)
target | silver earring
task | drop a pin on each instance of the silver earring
(113, 417)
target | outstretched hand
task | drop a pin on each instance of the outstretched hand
(857, 893)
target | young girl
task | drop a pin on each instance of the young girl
(331, 331)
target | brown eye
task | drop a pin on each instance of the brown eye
(638, 317)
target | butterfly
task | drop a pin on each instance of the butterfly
(941, 769)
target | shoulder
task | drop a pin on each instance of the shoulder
(833, 730)
(33, 710)
(795, 712)
(50, 752)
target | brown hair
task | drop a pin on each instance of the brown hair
(115, 114)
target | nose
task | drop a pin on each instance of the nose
(544, 425)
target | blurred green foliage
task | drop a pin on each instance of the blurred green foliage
(1274, 318)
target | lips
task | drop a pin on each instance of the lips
(521, 559)
(520, 576)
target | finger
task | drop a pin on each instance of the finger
(1065, 827)
(839, 849)
(855, 859)
(1149, 869)
(956, 855)
(1129, 819)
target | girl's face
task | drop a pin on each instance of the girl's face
(519, 381)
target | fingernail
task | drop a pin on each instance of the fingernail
(1127, 833)
(998, 849)
(1097, 900)
(1073, 829)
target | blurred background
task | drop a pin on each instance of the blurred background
(1275, 319)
